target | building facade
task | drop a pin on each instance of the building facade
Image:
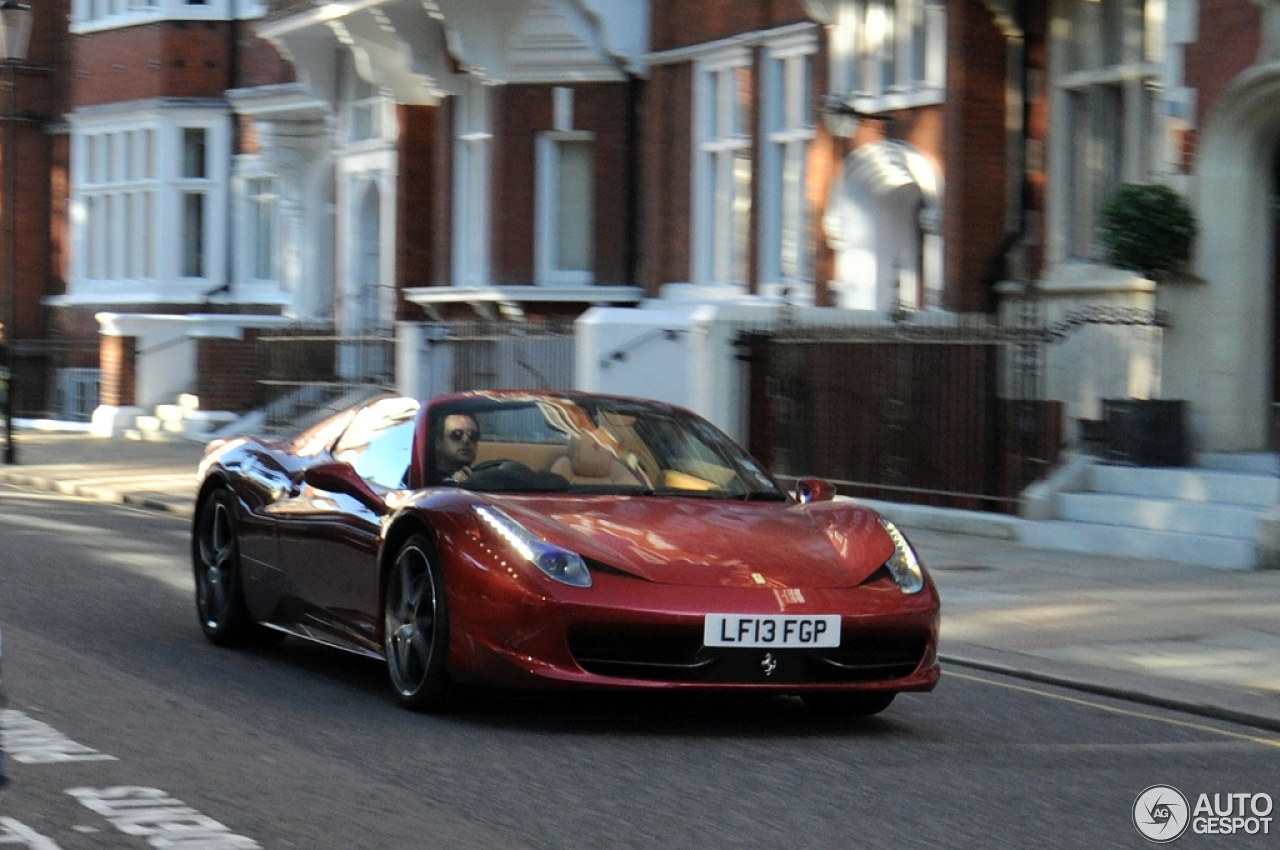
(34, 155)
(210, 170)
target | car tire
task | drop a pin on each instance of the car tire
(845, 703)
(416, 628)
(215, 558)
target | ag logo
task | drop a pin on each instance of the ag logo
(1160, 813)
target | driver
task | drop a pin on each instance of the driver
(456, 446)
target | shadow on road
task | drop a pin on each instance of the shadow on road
(589, 712)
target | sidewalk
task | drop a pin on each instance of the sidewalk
(161, 476)
(1188, 637)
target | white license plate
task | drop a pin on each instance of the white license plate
(774, 630)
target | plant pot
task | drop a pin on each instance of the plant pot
(1145, 432)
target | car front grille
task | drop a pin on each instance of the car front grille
(677, 655)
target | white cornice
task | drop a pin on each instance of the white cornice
(148, 107)
(694, 52)
(285, 102)
(305, 17)
(823, 11)
(415, 47)
(189, 325)
(555, 42)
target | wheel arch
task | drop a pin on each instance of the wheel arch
(216, 481)
(400, 530)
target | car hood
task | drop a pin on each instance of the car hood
(701, 542)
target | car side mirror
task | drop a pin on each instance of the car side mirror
(339, 477)
(814, 490)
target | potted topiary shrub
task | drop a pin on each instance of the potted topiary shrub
(1148, 228)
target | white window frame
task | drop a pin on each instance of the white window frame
(119, 186)
(94, 15)
(1134, 78)
(369, 301)
(472, 202)
(718, 147)
(123, 211)
(260, 203)
(786, 217)
(875, 49)
(194, 186)
(549, 207)
(249, 285)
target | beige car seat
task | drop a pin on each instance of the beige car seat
(588, 461)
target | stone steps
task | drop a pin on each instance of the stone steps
(183, 420)
(1234, 553)
(1186, 517)
(1210, 514)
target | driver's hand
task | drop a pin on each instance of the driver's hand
(461, 474)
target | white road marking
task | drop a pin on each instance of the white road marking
(14, 833)
(166, 822)
(28, 741)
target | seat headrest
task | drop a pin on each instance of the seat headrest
(589, 457)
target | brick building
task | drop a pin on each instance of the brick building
(149, 204)
(213, 169)
(36, 149)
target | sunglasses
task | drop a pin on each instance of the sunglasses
(457, 434)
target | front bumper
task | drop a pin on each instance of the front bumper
(627, 633)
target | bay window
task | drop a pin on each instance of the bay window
(148, 195)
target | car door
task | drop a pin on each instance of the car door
(329, 538)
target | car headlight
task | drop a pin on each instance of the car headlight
(904, 566)
(555, 561)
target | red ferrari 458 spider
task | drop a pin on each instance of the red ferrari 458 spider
(557, 539)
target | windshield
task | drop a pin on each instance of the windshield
(589, 445)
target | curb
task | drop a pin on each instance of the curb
(1128, 694)
(951, 520)
(181, 510)
(98, 494)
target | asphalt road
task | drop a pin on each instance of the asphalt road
(127, 730)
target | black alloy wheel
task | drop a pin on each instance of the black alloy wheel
(215, 556)
(416, 628)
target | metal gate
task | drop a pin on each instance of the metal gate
(906, 413)
(308, 372)
(457, 356)
(512, 356)
(55, 379)
(950, 413)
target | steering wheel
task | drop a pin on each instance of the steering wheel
(497, 463)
